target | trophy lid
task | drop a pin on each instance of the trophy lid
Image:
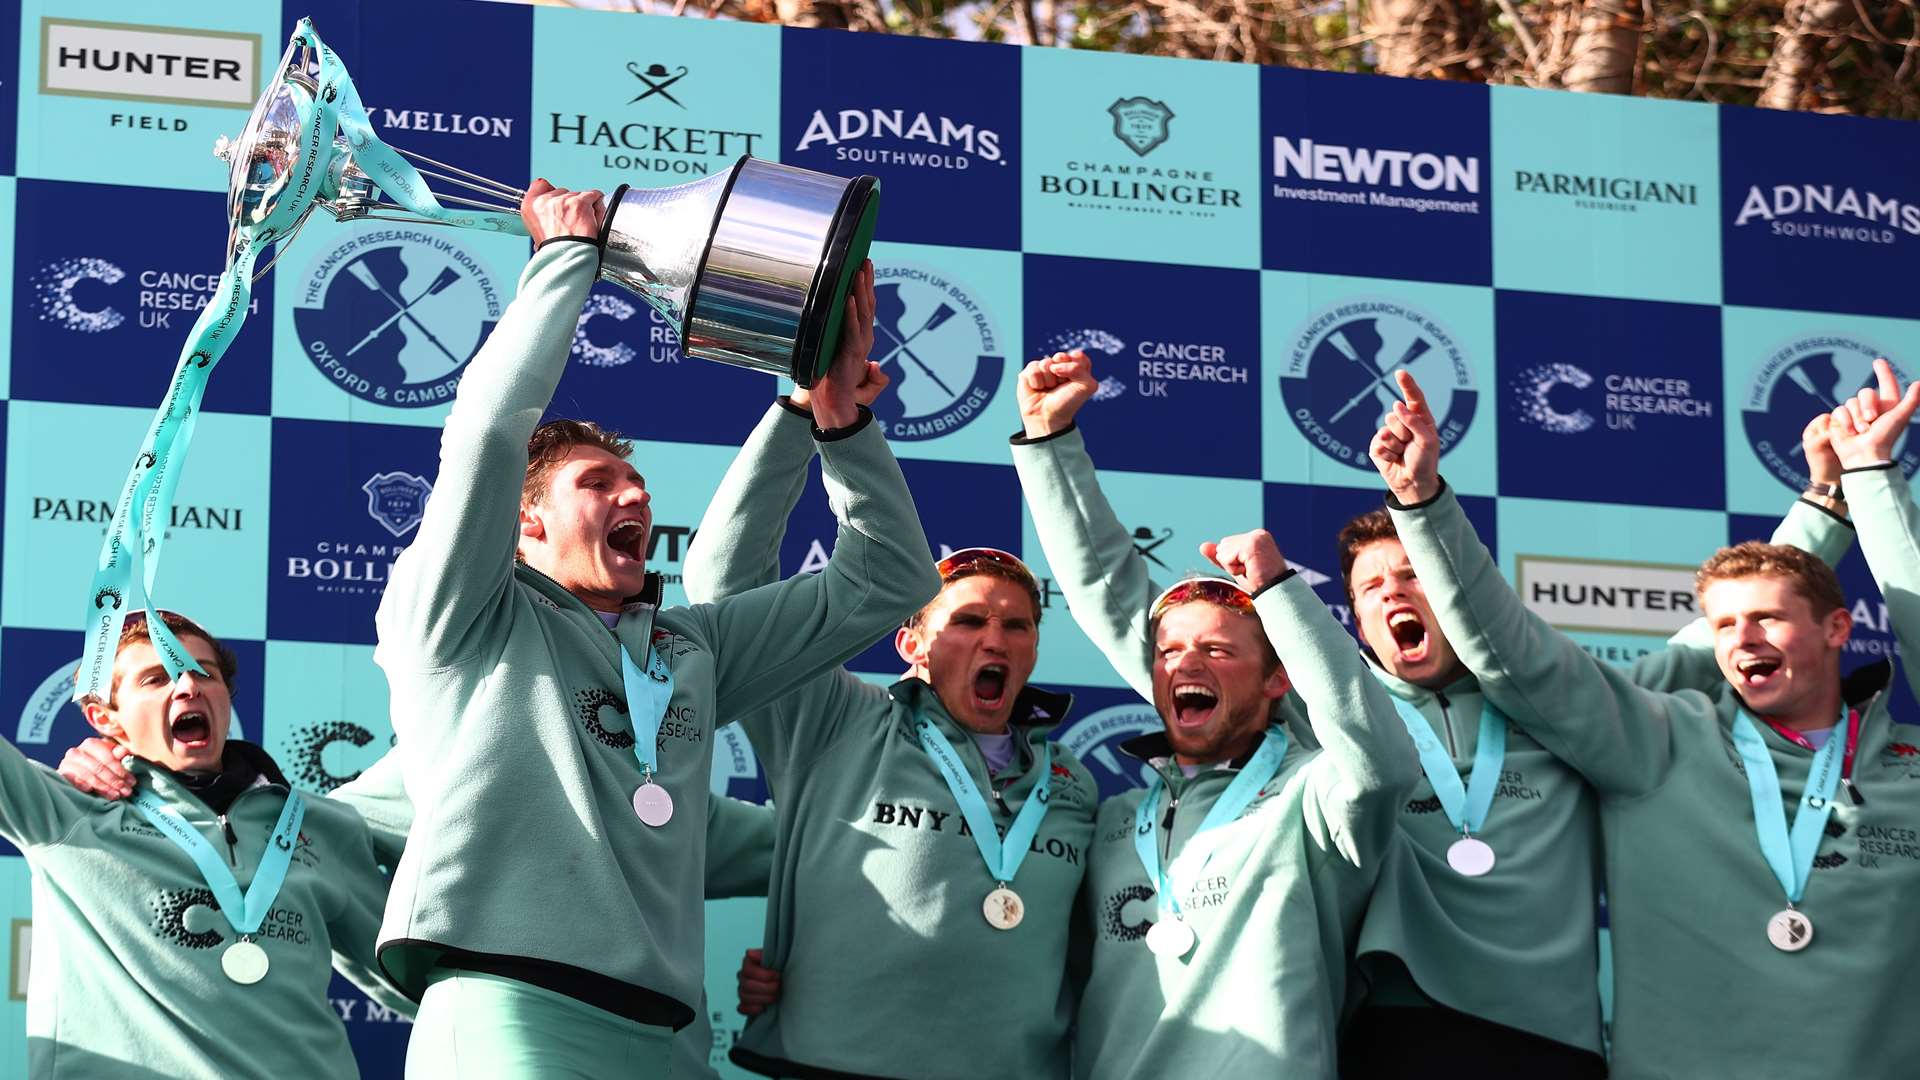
(267, 153)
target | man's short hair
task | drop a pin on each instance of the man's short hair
(135, 630)
(553, 441)
(981, 568)
(1812, 578)
(1269, 657)
(1372, 526)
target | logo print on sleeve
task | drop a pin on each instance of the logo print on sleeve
(309, 746)
(1338, 386)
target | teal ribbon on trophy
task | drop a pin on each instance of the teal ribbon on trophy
(130, 557)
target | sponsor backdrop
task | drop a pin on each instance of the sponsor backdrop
(1623, 311)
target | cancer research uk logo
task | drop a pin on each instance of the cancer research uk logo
(1565, 399)
(1096, 739)
(85, 294)
(1803, 377)
(392, 316)
(938, 344)
(1338, 385)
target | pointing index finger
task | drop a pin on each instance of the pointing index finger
(1410, 389)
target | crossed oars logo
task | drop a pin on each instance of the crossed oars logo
(364, 275)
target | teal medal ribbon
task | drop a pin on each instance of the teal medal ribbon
(648, 693)
(1003, 907)
(243, 961)
(1789, 853)
(130, 556)
(1466, 804)
(1170, 935)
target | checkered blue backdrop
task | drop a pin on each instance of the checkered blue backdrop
(1624, 310)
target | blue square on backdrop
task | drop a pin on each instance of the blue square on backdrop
(961, 505)
(1833, 225)
(1610, 400)
(347, 499)
(937, 121)
(1179, 380)
(626, 371)
(1376, 177)
(101, 312)
(1873, 638)
(36, 692)
(1306, 522)
(398, 56)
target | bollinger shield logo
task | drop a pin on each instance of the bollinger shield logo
(392, 316)
(1141, 123)
(1800, 378)
(1338, 386)
(940, 348)
(397, 500)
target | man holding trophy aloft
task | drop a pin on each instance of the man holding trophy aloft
(557, 726)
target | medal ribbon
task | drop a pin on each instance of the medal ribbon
(130, 556)
(1003, 858)
(1789, 856)
(1466, 804)
(648, 694)
(1226, 809)
(245, 912)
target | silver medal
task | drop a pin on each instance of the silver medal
(653, 804)
(1003, 908)
(1790, 930)
(244, 962)
(1470, 856)
(1170, 937)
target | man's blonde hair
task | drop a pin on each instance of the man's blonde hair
(1812, 578)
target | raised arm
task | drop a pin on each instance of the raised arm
(1090, 553)
(456, 571)
(37, 806)
(1367, 765)
(1865, 433)
(1588, 713)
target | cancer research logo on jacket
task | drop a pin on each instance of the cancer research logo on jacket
(392, 316)
(1803, 377)
(939, 345)
(307, 746)
(1338, 384)
(397, 500)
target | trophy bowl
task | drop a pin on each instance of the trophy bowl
(751, 266)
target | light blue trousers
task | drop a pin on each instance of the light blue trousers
(473, 1025)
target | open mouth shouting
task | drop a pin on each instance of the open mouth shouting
(1757, 673)
(990, 687)
(628, 538)
(1409, 632)
(1194, 704)
(191, 729)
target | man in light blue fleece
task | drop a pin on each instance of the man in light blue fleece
(556, 726)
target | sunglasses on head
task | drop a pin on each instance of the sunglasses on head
(1211, 590)
(967, 558)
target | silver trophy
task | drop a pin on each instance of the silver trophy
(752, 266)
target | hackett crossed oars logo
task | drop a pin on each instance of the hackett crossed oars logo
(657, 78)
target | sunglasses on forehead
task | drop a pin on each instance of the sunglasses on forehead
(1211, 590)
(968, 558)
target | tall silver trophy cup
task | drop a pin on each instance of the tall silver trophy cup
(752, 266)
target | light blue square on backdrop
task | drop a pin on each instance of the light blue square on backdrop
(625, 99)
(1782, 367)
(1600, 195)
(104, 126)
(1170, 516)
(1579, 544)
(1330, 347)
(60, 495)
(1141, 157)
